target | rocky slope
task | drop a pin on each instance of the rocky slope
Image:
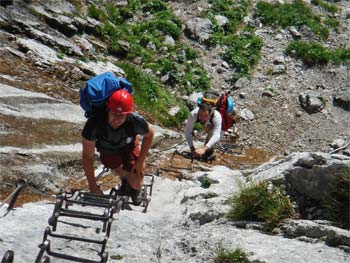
(41, 122)
(280, 125)
(184, 223)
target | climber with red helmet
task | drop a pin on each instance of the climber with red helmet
(114, 135)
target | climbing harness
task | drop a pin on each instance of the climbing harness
(91, 209)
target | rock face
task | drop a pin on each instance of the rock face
(312, 232)
(316, 173)
(342, 99)
(193, 232)
(47, 53)
(309, 174)
(59, 45)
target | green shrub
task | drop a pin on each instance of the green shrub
(168, 27)
(313, 53)
(258, 202)
(154, 6)
(190, 53)
(243, 53)
(326, 6)
(292, 14)
(235, 256)
(97, 13)
(332, 22)
(340, 55)
(336, 204)
(233, 10)
(190, 79)
(116, 257)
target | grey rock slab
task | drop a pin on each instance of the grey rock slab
(38, 51)
(57, 41)
(166, 233)
(95, 68)
(17, 102)
(44, 149)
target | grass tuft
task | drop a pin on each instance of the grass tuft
(337, 202)
(243, 53)
(313, 53)
(235, 256)
(326, 6)
(295, 14)
(261, 202)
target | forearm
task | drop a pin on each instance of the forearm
(188, 131)
(146, 144)
(88, 166)
(216, 132)
(213, 140)
(189, 139)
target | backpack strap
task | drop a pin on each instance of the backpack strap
(222, 108)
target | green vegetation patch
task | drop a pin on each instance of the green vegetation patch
(141, 40)
(295, 14)
(234, 256)
(332, 8)
(242, 50)
(243, 53)
(337, 202)
(313, 53)
(261, 202)
(151, 97)
(233, 10)
(116, 257)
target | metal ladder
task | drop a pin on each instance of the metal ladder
(90, 208)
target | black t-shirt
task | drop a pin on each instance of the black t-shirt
(110, 140)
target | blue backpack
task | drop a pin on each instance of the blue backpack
(94, 95)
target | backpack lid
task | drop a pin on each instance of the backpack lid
(99, 88)
(210, 97)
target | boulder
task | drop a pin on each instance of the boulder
(199, 28)
(342, 100)
(309, 174)
(311, 101)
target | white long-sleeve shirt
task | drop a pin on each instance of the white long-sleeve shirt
(215, 121)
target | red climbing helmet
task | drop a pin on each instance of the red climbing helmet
(121, 102)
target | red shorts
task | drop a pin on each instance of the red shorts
(127, 158)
